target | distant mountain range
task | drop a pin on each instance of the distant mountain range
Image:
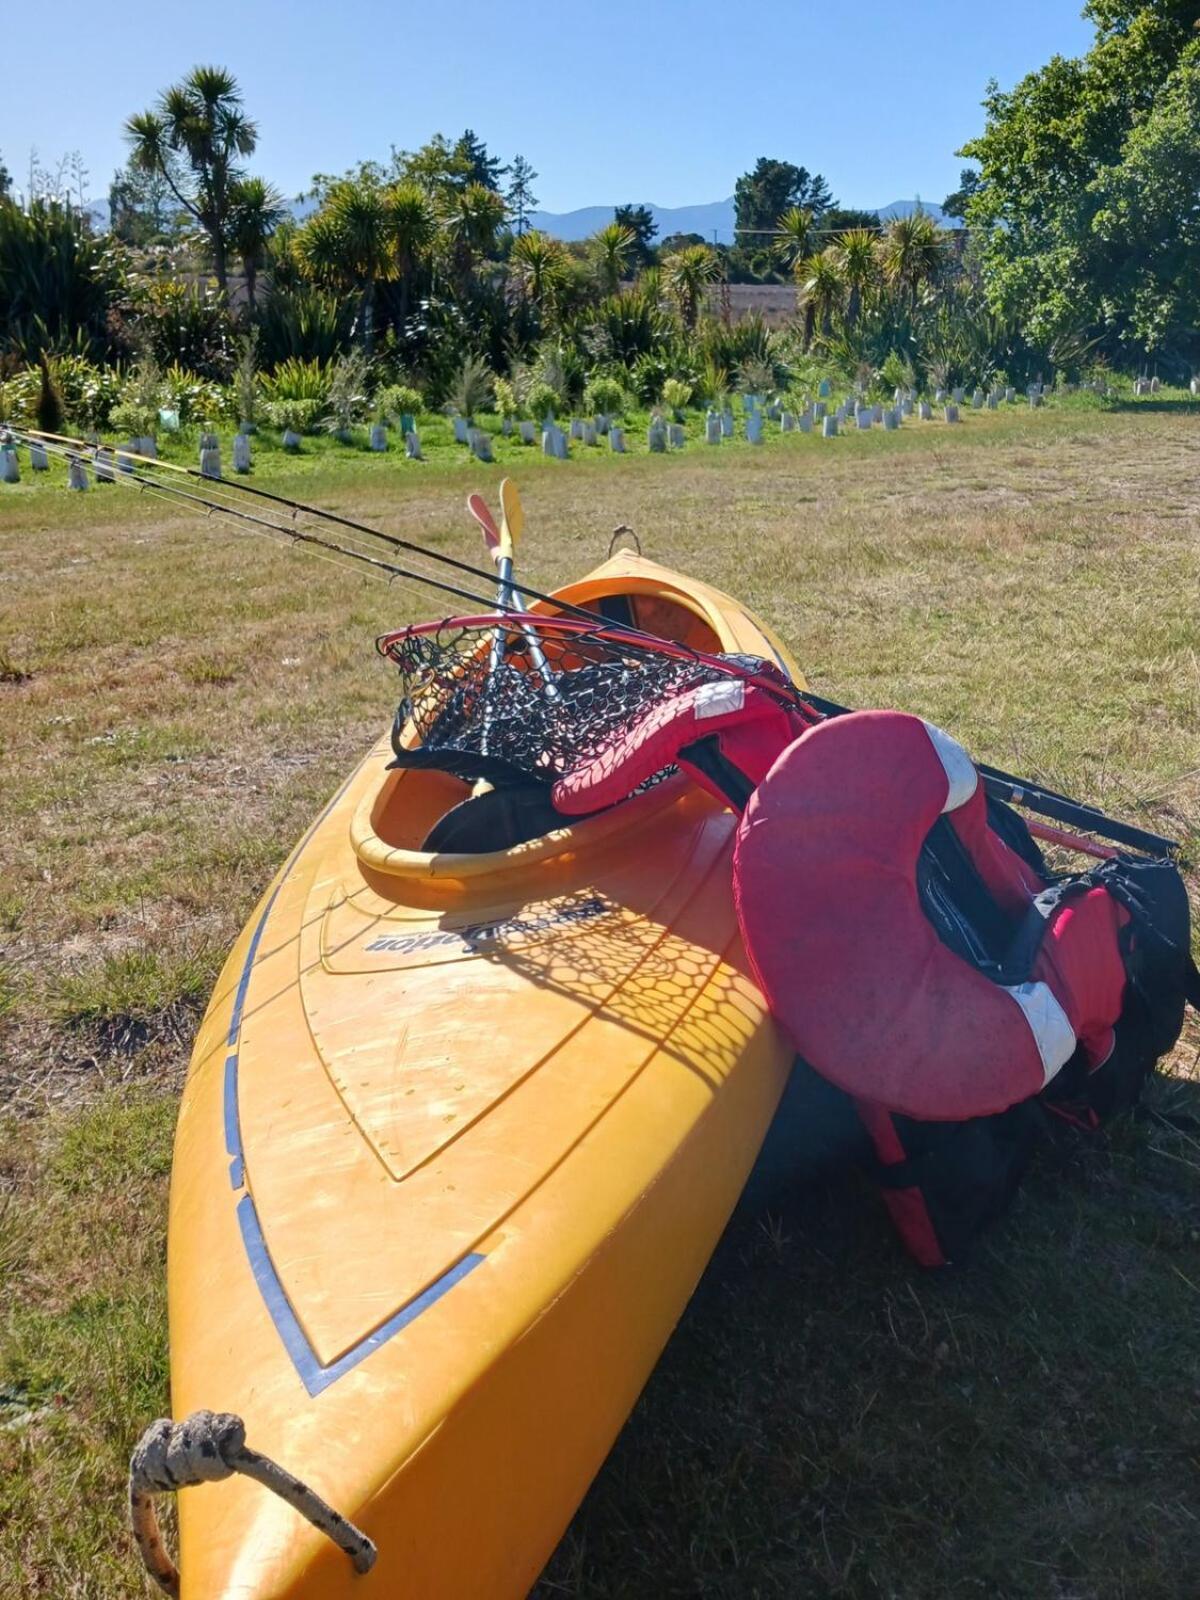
(715, 222)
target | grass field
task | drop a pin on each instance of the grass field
(176, 700)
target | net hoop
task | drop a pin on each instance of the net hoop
(510, 697)
(615, 636)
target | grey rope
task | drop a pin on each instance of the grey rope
(208, 1446)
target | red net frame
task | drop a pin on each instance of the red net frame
(518, 696)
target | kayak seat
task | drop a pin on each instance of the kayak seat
(725, 734)
(498, 819)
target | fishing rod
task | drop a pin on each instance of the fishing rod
(140, 470)
(1003, 785)
(616, 636)
(73, 450)
(364, 529)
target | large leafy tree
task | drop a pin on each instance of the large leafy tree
(640, 222)
(773, 188)
(141, 207)
(840, 219)
(196, 138)
(441, 166)
(1147, 225)
(955, 204)
(1073, 248)
(519, 194)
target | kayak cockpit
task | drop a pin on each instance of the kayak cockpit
(420, 813)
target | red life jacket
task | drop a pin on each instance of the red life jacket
(826, 883)
(919, 959)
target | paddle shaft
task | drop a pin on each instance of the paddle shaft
(1046, 802)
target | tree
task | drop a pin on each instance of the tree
(258, 209)
(640, 222)
(442, 168)
(840, 219)
(520, 196)
(413, 228)
(822, 292)
(195, 138)
(438, 166)
(955, 204)
(912, 252)
(539, 266)
(1146, 230)
(471, 217)
(1054, 162)
(762, 196)
(611, 249)
(685, 277)
(348, 245)
(141, 206)
(476, 164)
(794, 235)
(675, 242)
(857, 254)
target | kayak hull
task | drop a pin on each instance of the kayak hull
(458, 1139)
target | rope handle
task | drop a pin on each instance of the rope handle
(204, 1448)
(623, 531)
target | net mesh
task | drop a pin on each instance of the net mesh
(502, 703)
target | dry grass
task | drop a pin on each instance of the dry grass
(175, 701)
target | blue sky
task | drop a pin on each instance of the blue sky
(611, 101)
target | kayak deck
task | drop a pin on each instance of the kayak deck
(459, 1137)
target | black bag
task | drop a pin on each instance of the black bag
(1161, 981)
(943, 1182)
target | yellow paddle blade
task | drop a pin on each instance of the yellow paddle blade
(512, 517)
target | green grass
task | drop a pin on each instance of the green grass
(827, 1420)
(330, 462)
(82, 1338)
(127, 997)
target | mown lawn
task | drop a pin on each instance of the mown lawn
(176, 699)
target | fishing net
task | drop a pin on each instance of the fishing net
(507, 703)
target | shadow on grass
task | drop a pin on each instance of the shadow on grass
(829, 1421)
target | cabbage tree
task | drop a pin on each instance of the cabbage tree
(196, 137)
(611, 250)
(538, 266)
(686, 275)
(258, 209)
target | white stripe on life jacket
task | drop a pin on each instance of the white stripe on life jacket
(1048, 1022)
(956, 764)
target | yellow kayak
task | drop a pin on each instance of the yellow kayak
(459, 1136)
